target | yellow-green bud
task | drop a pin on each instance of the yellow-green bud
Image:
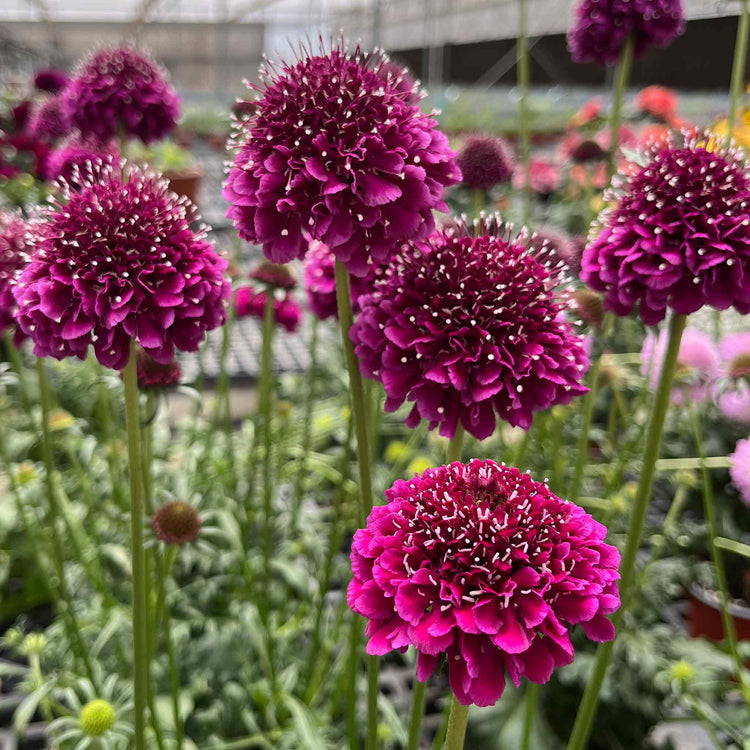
(97, 717)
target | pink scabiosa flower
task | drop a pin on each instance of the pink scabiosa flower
(483, 564)
(485, 161)
(401, 79)
(734, 388)
(120, 90)
(560, 245)
(117, 260)
(739, 469)
(320, 282)
(601, 27)
(153, 375)
(274, 275)
(337, 153)
(252, 303)
(48, 119)
(470, 328)
(544, 177)
(15, 249)
(677, 235)
(73, 159)
(657, 101)
(51, 80)
(697, 365)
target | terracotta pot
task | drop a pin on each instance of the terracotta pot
(704, 616)
(186, 183)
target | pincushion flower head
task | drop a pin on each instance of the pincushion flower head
(320, 282)
(51, 80)
(177, 522)
(115, 260)
(252, 303)
(600, 28)
(153, 375)
(734, 387)
(121, 91)
(339, 154)
(677, 235)
(481, 563)
(73, 159)
(657, 101)
(48, 119)
(15, 249)
(485, 161)
(470, 329)
(739, 469)
(274, 275)
(697, 364)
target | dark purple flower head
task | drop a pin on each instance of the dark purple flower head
(590, 306)
(601, 27)
(399, 77)
(273, 275)
(177, 522)
(48, 119)
(485, 161)
(587, 151)
(678, 234)
(320, 282)
(470, 328)
(483, 564)
(118, 91)
(337, 154)
(51, 80)
(560, 245)
(252, 303)
(153, 375)
(73, 159)
(15, 249)
(117, 261)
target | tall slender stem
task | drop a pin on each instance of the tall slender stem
(140, 649)
(55, 513)
(14, 357)
(589, 403)
(266, 409)
(622, 76)
(312, 377)
(459, 716)
(587, 709)
(531, 699)
(456, 445)
(418, 695)
(738, 68)
(709, 509)
(359, 408)
(523, 67)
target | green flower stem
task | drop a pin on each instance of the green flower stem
(335, 537)
(622, 76)
(77, 642)
(352, 669)
(589, 403)
(732, 546)
(266, 411)
(739, 66)
(709, 510)
(456, 445)
(459, 716)
(14, 357)
(418, 695)
(478, 202)
(312, 376)
(523, 67)
(531, 701)
(359, 408)
(678, 464)
(223, 401)
(140, 651)
(587, 708)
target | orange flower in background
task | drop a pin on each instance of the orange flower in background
(656, 133)
(657, 101)
(626, 138)
(597, 175)
(588, 112)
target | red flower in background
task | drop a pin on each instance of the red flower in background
(657, 101)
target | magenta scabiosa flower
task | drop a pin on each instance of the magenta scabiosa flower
(470, 329)
(48, 119)
(401, 79)
(118, 91)
(273, 275)
(153, 375)
(338, 154)
(320, 282)
(560, 245)
(73, 159)
(740, 469)
(601, 27)
(252, 303)
(484, 565)
(697, 364)
(734, 389)
(51, 80)
(177, 522)
(677, 236)
(15, 249)
(485, 161)
(117, 260)
(544, 177)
